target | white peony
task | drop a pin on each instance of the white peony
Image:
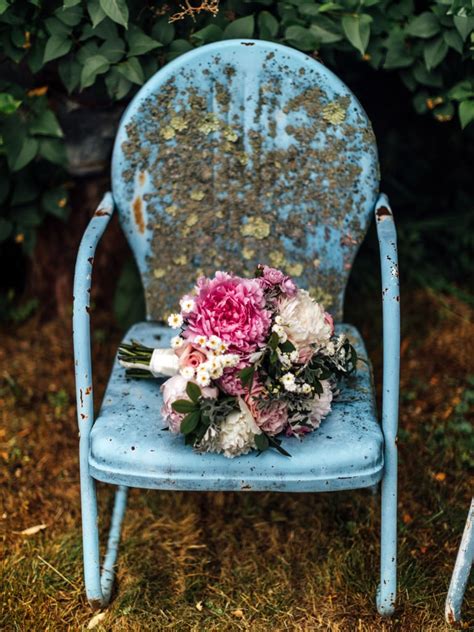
(237, 432)
(320, 405)
(305, 322)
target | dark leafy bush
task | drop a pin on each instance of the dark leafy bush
(98, 52)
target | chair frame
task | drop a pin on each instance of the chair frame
(99, 583)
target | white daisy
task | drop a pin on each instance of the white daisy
(187, 372)
(176, 342)
(175, 321)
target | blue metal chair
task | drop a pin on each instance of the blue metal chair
(236, 153)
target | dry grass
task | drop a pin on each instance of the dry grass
(214, 562)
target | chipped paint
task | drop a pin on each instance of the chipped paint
(138, 214)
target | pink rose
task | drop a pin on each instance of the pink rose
(273, 278)
(271, 416)
(231, 308)
(190, 355)
(330, 321)
(173, 389)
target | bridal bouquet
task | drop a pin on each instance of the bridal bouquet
(252, 359)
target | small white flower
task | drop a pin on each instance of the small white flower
(229, 360)
(330, 348)
(280, 332)
(306, 388)
(217, 372)
(293, 356)
(200, 340)
(187, 305)
(177, 342)
(288, 381)
(175, 321)
(187, 372)
(222, 347)
(278, 320)
(214, 342)
(203, 378)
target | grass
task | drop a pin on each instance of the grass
(227, 561)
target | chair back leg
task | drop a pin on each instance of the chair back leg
(461, 572)
(387, 590)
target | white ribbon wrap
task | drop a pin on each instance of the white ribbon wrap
(164, 362)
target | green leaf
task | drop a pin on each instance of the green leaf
(262, 442)
(28, 216)
(56, 46)
(96, 12)
(71, 3)
(240, 28)
(301, 38)
(184, 406)
(117, 85)
(139, 43)
(464, 25)
(132, 70)
(267, 25)
(424, 25)
(210, 33)
(116, 10)
(434, 52)
(113, 49)
(8, 104)
(69, 70)
(454, 40)
(69, 15)
(462, 90)
(46, 124)
(54, 151)
(6, 229)
(27, 153)
(357, 30)
(56, 27)
(95, 65)
(246, 375)
(4, 5)
(398, 54)
(193, 391)
(323, 35)
(163, 31)
(287, 347)
(55, 202)
(190, 422)
(466, 113)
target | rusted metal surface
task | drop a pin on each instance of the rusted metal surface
(237, 155)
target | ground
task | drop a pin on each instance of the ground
(219, 562)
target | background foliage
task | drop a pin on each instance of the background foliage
(417, 59)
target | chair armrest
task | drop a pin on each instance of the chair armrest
(81, 314)
(387, 236)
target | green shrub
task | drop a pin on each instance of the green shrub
(103, 50)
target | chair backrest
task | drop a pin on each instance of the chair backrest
(238, 153)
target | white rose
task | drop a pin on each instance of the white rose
(164, 362)
(321, 405)
(304, 321)
(237, 432)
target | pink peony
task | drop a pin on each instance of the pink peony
(190, 355)
(233, 309)
(173, 389)
(230, 382)
(273, 278)
(271, 416)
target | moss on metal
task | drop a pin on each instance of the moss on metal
(232, 186)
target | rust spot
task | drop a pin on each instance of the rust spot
(83, 416)
(247, 44)
(88, 390)
(90, 260)
(138, 214)
(95, 604)
(80, 397)
(245, 487)
(383, 211)
(88, 309)
(100, 212)
(142, 178)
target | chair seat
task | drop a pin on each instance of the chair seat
(129, 445)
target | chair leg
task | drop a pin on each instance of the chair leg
(462, 569)
(387, 589)
(99, 585)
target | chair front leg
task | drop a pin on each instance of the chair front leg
(462, 569)
(99, 584)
